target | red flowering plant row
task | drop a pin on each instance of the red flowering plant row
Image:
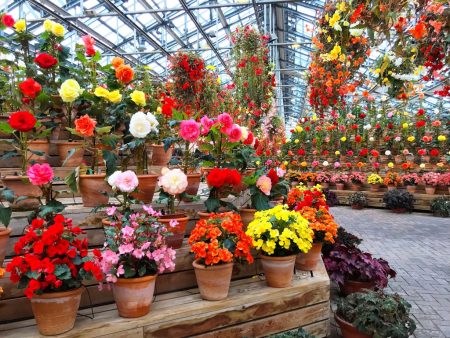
(51, 257)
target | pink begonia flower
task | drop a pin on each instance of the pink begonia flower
(138, 253)
(120, 271)
(234, 133)
(40, 174)
(189, 130)
(376, 165)
(405, 152)
(125, 248)
(337, 164)
(126, 181)
(349, 153)
(111, 210)
(173, 223)
(226, 121)
(149, 210)
(206, 123)
(173, 181)
(264, 183)
(127, 231)
(390, 114)
(280, 172)
(315, 163)
(89, 44)
(268, 162)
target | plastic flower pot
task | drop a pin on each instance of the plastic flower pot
(55, 312)
(352, 286)
(278, 270)
(325, 185)
(247, 215)
(349, 330)
(308, 261)
(146, 188)
(213, 280)
(399, 210)
(93, 190)
(4, 237)
(175, 241)
(134, 296)
(159, 155)
(65, 147)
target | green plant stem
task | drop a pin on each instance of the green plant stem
(171, 204)
(94, 153)
(186, 158)
(23, 151)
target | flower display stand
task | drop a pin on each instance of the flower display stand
(252, 309)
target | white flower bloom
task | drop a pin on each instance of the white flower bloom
(325, 163)
(398, 61)
(173, 181)
(153, 122)
(397, 139)
(356, 31)
(337, 27)
(387, 153)
(378, 116)
(139, 125)
(371, 139)
(112, 179)
(244, 132)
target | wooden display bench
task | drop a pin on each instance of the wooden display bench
(252, 309)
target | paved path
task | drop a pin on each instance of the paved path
(417, 246)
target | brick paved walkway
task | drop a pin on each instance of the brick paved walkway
(417, 246)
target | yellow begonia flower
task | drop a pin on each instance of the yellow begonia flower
(58, 30)
(299, 129)
(442, 138)
(114, 96)
(314, 117)
(334, 19)
(343, 139)
(138, 97)
(296, 140)
(258, 162)
(70, 90)
(101, 92)
(48, 24)
(391, 165)
(218, 80)
(303, 164)
(337, 152)
(422, 165)
(285, 162)
(329, 38)
(20, 25)
(159, 110)
(405, 125)
(210, 67)
(342, 6)
(411, 138)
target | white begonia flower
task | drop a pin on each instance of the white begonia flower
(337, 27)
(153, 122)
(371, 139)
(387, 153)
(356, 32)
(244, 131)
(173, 181)
(112, 179)
(139, 125)
(378, 116)
(325, 163)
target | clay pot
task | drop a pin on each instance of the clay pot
(430, 190)
(391, 187)
(56, 312)
(356, 187)
(4, 237)
(247, 215)
(203, 214)
(193, 184)
(92, 188)
(310, 184)
(308, 261)
(357, 206)
(398, 210)
(146, 188)
(349, 330)
(278, 270)
(159, 156)
(64, 147)
(213, 281)
(22, 187)
(411, 188)
(351, 286)
(134, 296)
(276, 201)
(374, 187)
(340, 186)
(38, 145)
(175, 241)
(325, 185)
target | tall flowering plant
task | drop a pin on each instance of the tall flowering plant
(220, 239)
(134, 246)
(222, 182)
(51, 257)
(173, 182)
(123, 183)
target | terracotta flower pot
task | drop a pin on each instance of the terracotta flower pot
(356, 187)
(278, 270)
(351, 286)
(38, 145)
(134, 296)
(213, 281)
(193, 185)
(203, 214)
(340, 186)
(159, 156)
(92, 189)
(146, 188)
(65, 147)
(175, 241)
(374, 187)
(398, 210)
(308, 261)
(357, 206)
(310, 184)
(391, 187)
(22, 187)
(56, 312)
(325, 185)
(430, 190)
(4, 237)
(411, 188)
(349, 330)
(247, 215)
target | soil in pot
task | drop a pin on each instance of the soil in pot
(4, 237)
(247, 215)
(308, 261)
(56, 312)
(351, 286)
(349, 330)
(134, 296)
(92, 189)
(159, 155)
(146, 188)
(213, 281)
(278, 270)
(64, 148)
(22, 187)
(175, 241)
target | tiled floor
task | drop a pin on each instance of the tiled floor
(417, 246)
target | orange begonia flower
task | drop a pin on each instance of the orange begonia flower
(124, 73)
(117, 62)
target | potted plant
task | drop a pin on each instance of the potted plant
(173, 182)
(279, 234)
(374, 314)
(399, 201)
(357, 179)
(444, 180)
(325, 231)
(340, 180)
(217, 242)
(375, 181)
(123, 184)
(323, 179)
(430, 180)
(343, 238)
(134, 254)
(51, 264)
(302, 196)
(354, 270)
(410, 180)
(357, 200)
(309, 178)
(440, 206)
(391, 180)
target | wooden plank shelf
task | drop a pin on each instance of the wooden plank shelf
(252, 309)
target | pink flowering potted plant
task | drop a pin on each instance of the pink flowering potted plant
(357, 179)
(340, 180)
(323, 179)
(430, 180)
(444, 180)
(134, 253)
(410, 181)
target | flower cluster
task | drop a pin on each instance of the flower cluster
(340, 178)
(51, 258)
(125, 181)
(374, 179)
(223, 177)
(357, 177)
(410, 179)
(220, 239)
(173, 181)
(302, 196)
(431, 178)
(321, 222)
(280, 232)
(392, 178)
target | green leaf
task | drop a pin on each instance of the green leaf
(212, 204)
(260, 201)
(9, 154)
(6, 128)
(44, 133)
(103, 130)
(69, 155)
(169, 141)
(7, 195)
(71, 180)
(5, 215)
(52, 207)
(62, 272)
(97, 56)
(110, 159)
